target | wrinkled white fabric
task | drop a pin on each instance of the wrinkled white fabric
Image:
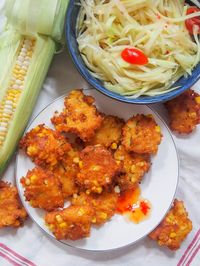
(33, 244)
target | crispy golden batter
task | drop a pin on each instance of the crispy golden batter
(11, 211)
(97, 168)
(80, 116)
(45, 146)
(104, 205)
(184, 112)
(141, 134)
(72, 223)
(109, 134)
(134, 166)
(67, 171)
(42, 189)
(174, 228)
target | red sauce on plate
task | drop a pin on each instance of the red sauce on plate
(136, 208)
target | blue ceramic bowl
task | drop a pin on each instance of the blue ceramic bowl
(70, 34)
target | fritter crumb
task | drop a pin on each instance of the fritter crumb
(134, 167)
(97, 169)
(141, 134)
(46, 147)
(72, 223)
(42, 189)
(12, 212)
(174, 228)
(109, 134)
(184, 112)
(104, 205)
(80, 116)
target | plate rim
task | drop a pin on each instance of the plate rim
(81, 248)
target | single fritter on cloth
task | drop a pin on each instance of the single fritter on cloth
(184, 112)
(174, 228)
(12, 212)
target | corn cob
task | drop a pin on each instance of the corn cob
(18, 96)
(26, 49)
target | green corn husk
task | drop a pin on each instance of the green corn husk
(44, 17)
(27, 47)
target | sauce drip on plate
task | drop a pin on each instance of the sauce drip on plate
(136, 208)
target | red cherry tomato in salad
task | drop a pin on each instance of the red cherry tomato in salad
(191, 22)
(134, 56)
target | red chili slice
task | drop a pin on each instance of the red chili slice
(191, 22)
(134, 56)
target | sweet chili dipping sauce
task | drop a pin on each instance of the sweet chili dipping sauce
(130, 204)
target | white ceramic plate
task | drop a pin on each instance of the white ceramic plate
(158, 186)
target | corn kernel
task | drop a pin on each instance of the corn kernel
(118, 162)
(27, 182)
(140, 163)
(94, 220)
(22, 72)
(87, 192)
(75, 196)
(192, 114)
(80, 164)
(80, 212)
(33, 178)
(172, 235)
(133, 180)
(158, 129)
(63, 225)
(99, 190)
(197, 99)
(132, 168)
(51, 227)
(114, 146)
(95, 167)
(103, 215)
(76, 160)
(59, 218)
(31, 150)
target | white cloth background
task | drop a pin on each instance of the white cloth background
(33, 244)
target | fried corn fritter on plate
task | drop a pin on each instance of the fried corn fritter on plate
(45, 146)
(174, 228)
(109, 134)
(42, 189)
(97, 169)
(12, 212)
(104, 205)
(134, 167)
(80, 116)
(66, 172)
(71, 223)
(141, 134)
(184, 112)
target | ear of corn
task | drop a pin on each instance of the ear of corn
(27, 47)
(19, 92)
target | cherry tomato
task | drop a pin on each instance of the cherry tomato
(191, 22)
(134, 56)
